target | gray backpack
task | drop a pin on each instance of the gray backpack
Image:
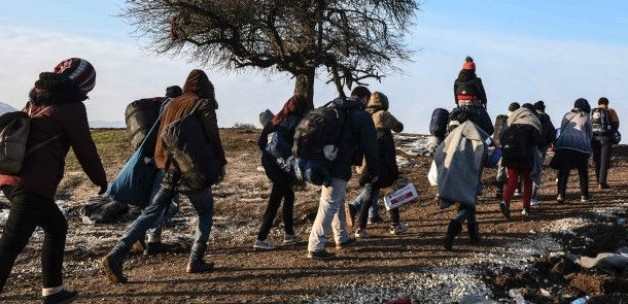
(14, 131)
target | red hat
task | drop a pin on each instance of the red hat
(469, 64)
(79, 71)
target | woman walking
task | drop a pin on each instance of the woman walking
(573, 148)
(58, 122)
(279, 134)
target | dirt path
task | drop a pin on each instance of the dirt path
(383, 267)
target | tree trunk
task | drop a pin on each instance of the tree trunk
(305, 84)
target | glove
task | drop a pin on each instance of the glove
(103, 189)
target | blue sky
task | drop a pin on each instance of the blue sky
(525, 50)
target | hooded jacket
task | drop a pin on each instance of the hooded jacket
(43, 169)
(384, 122)
(197, 89)
(575, 132)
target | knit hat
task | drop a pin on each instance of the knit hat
(468, 64)
(79, 71)
(174, 91)
(539, 105)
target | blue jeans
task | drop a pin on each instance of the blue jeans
(364, 195)
(154, 233)
(467, 213)
(202, 201)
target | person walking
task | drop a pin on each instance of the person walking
(549, 136)
(468, 87)
(520, 142)
(358, 141)
(573, 149)
(605, 124)
(280, 130)
(198, 99)
(58, 122)
(385, 123)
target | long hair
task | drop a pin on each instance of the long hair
(297, 105)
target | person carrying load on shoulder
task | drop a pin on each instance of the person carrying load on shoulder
(54, 120)
(327, 143)
(276, 142)
(190, 153)
(520, 142)
(605, 122)
(365, 205)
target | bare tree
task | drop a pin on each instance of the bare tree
(352, 40)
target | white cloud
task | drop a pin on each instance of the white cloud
(513, 69)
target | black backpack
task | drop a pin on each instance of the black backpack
(466, 90)
(190, 151)
(140, 116)
(600, 121)
(516, 148)
(438, 123)
(319, 128)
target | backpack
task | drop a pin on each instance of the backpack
(438, 123)
(190, 152)
(14, 134)
(279, 143)
(516, 148)
(600, 121)
(501, 123)
(316, 142)
(140, 116)
(466, 91)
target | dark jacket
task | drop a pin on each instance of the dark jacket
(476, 114)
(384, 123)
(43, 169)
(527, 139)
(197, 89)
(269, 162)
(549, 130)
(359, 141)
(476, 86)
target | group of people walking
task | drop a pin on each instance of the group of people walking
(181, 146)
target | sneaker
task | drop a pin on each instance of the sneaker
(560, 199)
(517, 193)
(61, 297)
(584, 199)
(199, 266)
(113, 270)
(361, 234)
(263, 245)
(290, 239)
(320, 255)
(524, 213)
(603, 186)
(376, 219)
(398, 229)
(505, 211)
(345, 244)
(535, 202)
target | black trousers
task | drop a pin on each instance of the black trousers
(29, 211)
(280, 192)
(569, 160)
(602, 150)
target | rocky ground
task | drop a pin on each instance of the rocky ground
(534, 261)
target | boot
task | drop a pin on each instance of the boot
(474, 233)
(453, 229)
(112, 266)
(196, 263)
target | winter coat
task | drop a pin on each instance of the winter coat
(459, 162)
(476, 85)
(197, 89)
(384, 123)
(43, 169)
(549, 130)
(575, 132)
(523, 133)
(274, 172)
(358, 141)
(476, 114)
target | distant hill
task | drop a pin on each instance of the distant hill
(103, 124)
(4, 108)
